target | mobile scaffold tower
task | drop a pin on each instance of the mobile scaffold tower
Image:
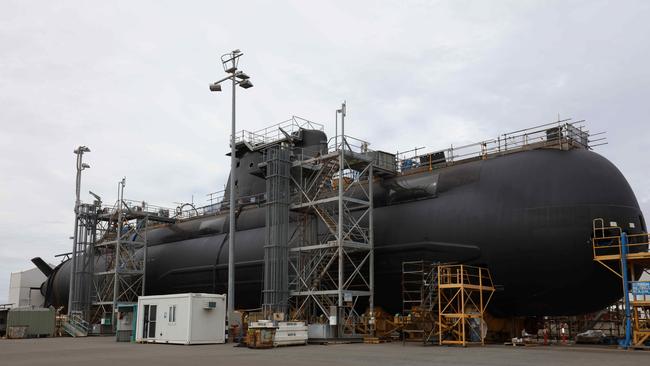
(463, 295)
(627, 256)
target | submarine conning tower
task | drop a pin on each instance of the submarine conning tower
(305, 137)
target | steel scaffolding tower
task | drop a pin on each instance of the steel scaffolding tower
(463, 295)
(82, 267)
(123, 245)
(278, 178)
(419, 300)
(332, 272)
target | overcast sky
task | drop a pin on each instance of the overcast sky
(130, 80)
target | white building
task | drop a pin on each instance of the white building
(24, 288)
(181, 319)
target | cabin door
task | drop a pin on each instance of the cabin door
(149, 319)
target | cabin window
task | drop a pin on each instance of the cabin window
(172, 314)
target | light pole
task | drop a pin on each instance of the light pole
(230, 62)
(80, 166)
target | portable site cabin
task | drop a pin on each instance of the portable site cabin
(31, 321)
(181, 318)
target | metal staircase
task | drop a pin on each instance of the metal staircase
(76, 326)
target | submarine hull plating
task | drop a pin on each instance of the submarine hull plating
(526, 216)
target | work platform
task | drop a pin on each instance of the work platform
(118, 235)
(627, 255)
(318, 264)
(445, 303)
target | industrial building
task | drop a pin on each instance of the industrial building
(25, 288)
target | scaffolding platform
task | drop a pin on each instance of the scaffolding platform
(122, 241)
(625, 255)
(331, 269)
(445, 303)
(109, 260)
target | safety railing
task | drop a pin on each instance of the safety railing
(219, 205)
(137, 207)
(560, 134)
(277, 131)
(348, 143)
(607, 243)
(463, 275)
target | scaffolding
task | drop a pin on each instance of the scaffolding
(627, 255)
(82, 268)
(445, 303)
(331, 270)
(278, 178)
(120, 277)
(463, 295)
(419, 301)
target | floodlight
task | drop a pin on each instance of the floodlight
(246, 84)
(215, 87)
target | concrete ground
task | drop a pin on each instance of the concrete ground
(99, 351)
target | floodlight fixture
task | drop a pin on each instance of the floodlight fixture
(242, 75)
(246, 84)
(215, 87)
(230, 61)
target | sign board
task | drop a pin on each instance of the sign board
(641, 288)
(332, 319)
(347, 296)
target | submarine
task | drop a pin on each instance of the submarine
(524, 213)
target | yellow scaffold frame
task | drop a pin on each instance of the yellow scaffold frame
(463, 295)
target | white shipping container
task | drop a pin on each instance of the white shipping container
(189, 318)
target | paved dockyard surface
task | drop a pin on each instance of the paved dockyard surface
(99, 351)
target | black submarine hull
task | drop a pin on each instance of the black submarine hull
(527, 216)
